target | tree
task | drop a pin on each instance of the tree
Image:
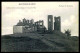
(68, 32)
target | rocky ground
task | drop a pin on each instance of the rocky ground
(34, 42)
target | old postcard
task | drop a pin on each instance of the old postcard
(40, 26)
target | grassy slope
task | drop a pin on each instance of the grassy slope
(57, 42)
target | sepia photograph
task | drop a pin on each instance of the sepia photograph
(40, 26)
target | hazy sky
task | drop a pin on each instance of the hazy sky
(12, 12)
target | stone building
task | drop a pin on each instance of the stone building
(39, 26)
(24, 26)
(28, 26)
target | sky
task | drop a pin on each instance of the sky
(12, 12)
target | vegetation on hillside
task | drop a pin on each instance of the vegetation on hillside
(57, 42)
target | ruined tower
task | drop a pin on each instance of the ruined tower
(57, 23)
(31, 21)
(50, 23)
(24, 20)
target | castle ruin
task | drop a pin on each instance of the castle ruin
(25, 26)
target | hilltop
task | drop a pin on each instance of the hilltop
(34, 42)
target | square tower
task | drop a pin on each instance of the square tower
(50, 23)
(57, 23)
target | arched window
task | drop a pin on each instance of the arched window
(58, 19)
(40, 23)
(49, 20)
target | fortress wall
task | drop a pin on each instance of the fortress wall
(18, 29)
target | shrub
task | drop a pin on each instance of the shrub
(68, 32)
